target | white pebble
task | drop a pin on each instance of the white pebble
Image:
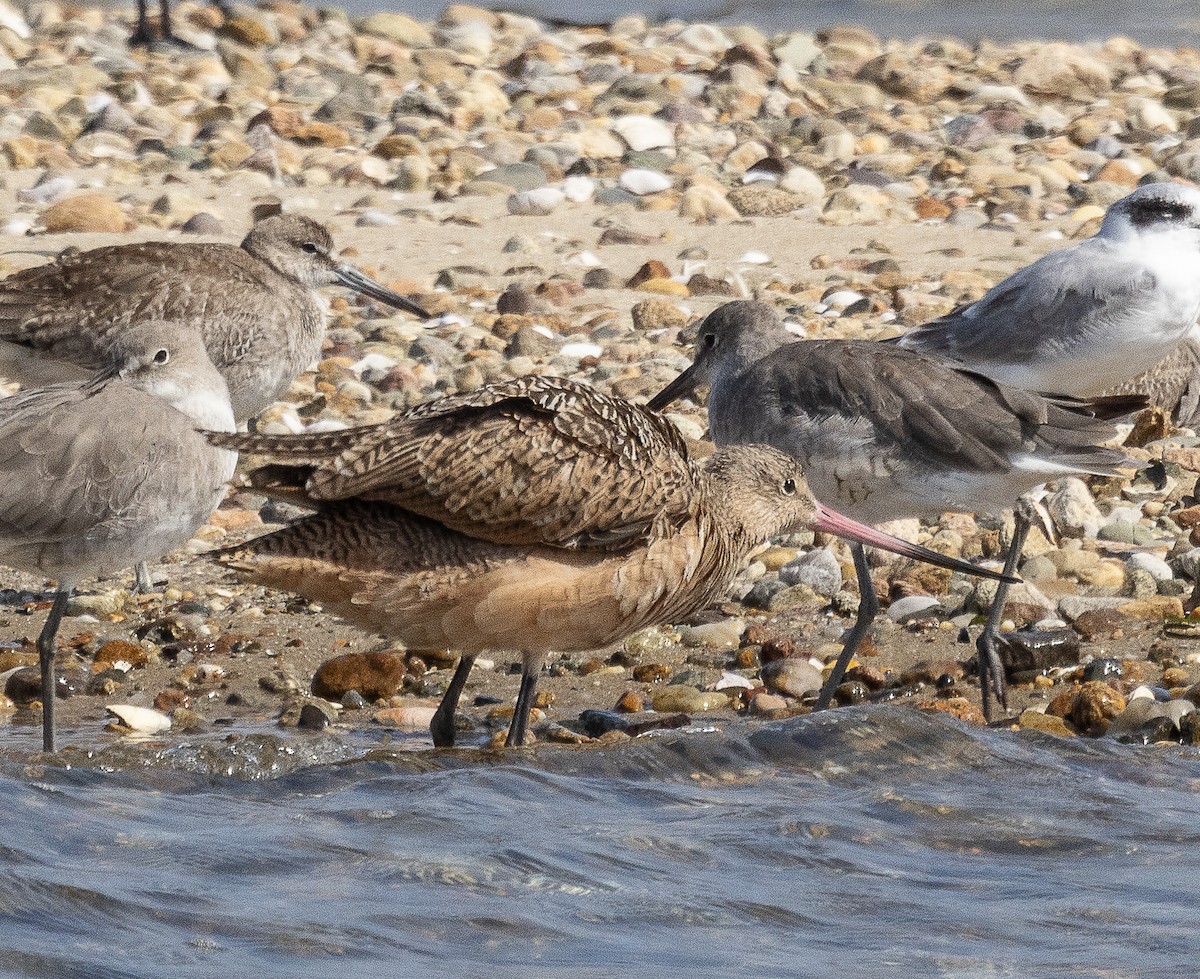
(372, 363)
(641, 182)
(535, 203)
(644, 132)
(579, 189)
(582, 350)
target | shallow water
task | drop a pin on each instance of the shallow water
(1170, 23)
(851, 843)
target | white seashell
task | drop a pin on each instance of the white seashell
(579, 189)
(733, 681)
(795, 328)
(644, 132)
(543, 330)
(641, 182)
(372, 363)
(17, 226)
(582, 350)
(535, 203)
(1141, 693)
(586, 259)
(842, 298)
(142, 720)
(47, 191)
(755, 258)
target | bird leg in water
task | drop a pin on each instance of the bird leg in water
(143, 583)
(868, 608)
(991, 670)
(442, 725)
(520, 722)
(45, 648)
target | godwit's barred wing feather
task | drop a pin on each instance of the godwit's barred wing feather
(1173, 384)
(533, 461)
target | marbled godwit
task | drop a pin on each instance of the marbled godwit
(889, 433)
(101, 476)
(536, 515)
(1091, 317)
(256, 306)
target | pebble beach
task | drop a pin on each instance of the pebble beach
(570, 201)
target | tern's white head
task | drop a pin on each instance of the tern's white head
(1169, 210)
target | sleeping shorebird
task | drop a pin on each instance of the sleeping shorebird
(532, 515)
(887, 433)
(100, 476)
(1091, 317)
(256, 306)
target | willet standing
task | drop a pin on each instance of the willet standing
(532, 515)
(887, 433)
(1086, 319)
(101, 476)
(256, 306)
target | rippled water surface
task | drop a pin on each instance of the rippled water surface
(877, 842)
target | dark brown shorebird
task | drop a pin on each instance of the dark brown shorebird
(533, 515)
(256, 306)
(100, 476)
(887, 433)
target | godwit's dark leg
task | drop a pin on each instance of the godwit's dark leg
(164, 8)
(442, 725)
(991, 670)
(519, 727)
(45, 648)
(868, 608)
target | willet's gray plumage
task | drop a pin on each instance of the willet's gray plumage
(256, 306)
(100, 476)
(1090, 317)
(886, 433)
(532, 515)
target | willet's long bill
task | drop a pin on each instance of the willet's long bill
(256, 306)
(1088, 318)
(886, 433)
(533, 515)
(100, 476)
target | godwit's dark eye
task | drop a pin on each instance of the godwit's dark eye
(710, 339)
(162, 356)
(789, 487)
(309, 247)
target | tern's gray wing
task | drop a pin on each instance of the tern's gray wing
(915, 407)
(1059, 301)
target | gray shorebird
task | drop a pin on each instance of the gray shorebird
(886, 433)
(100, 476)
(256, 306)
(1091, 317)
(532, 515)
